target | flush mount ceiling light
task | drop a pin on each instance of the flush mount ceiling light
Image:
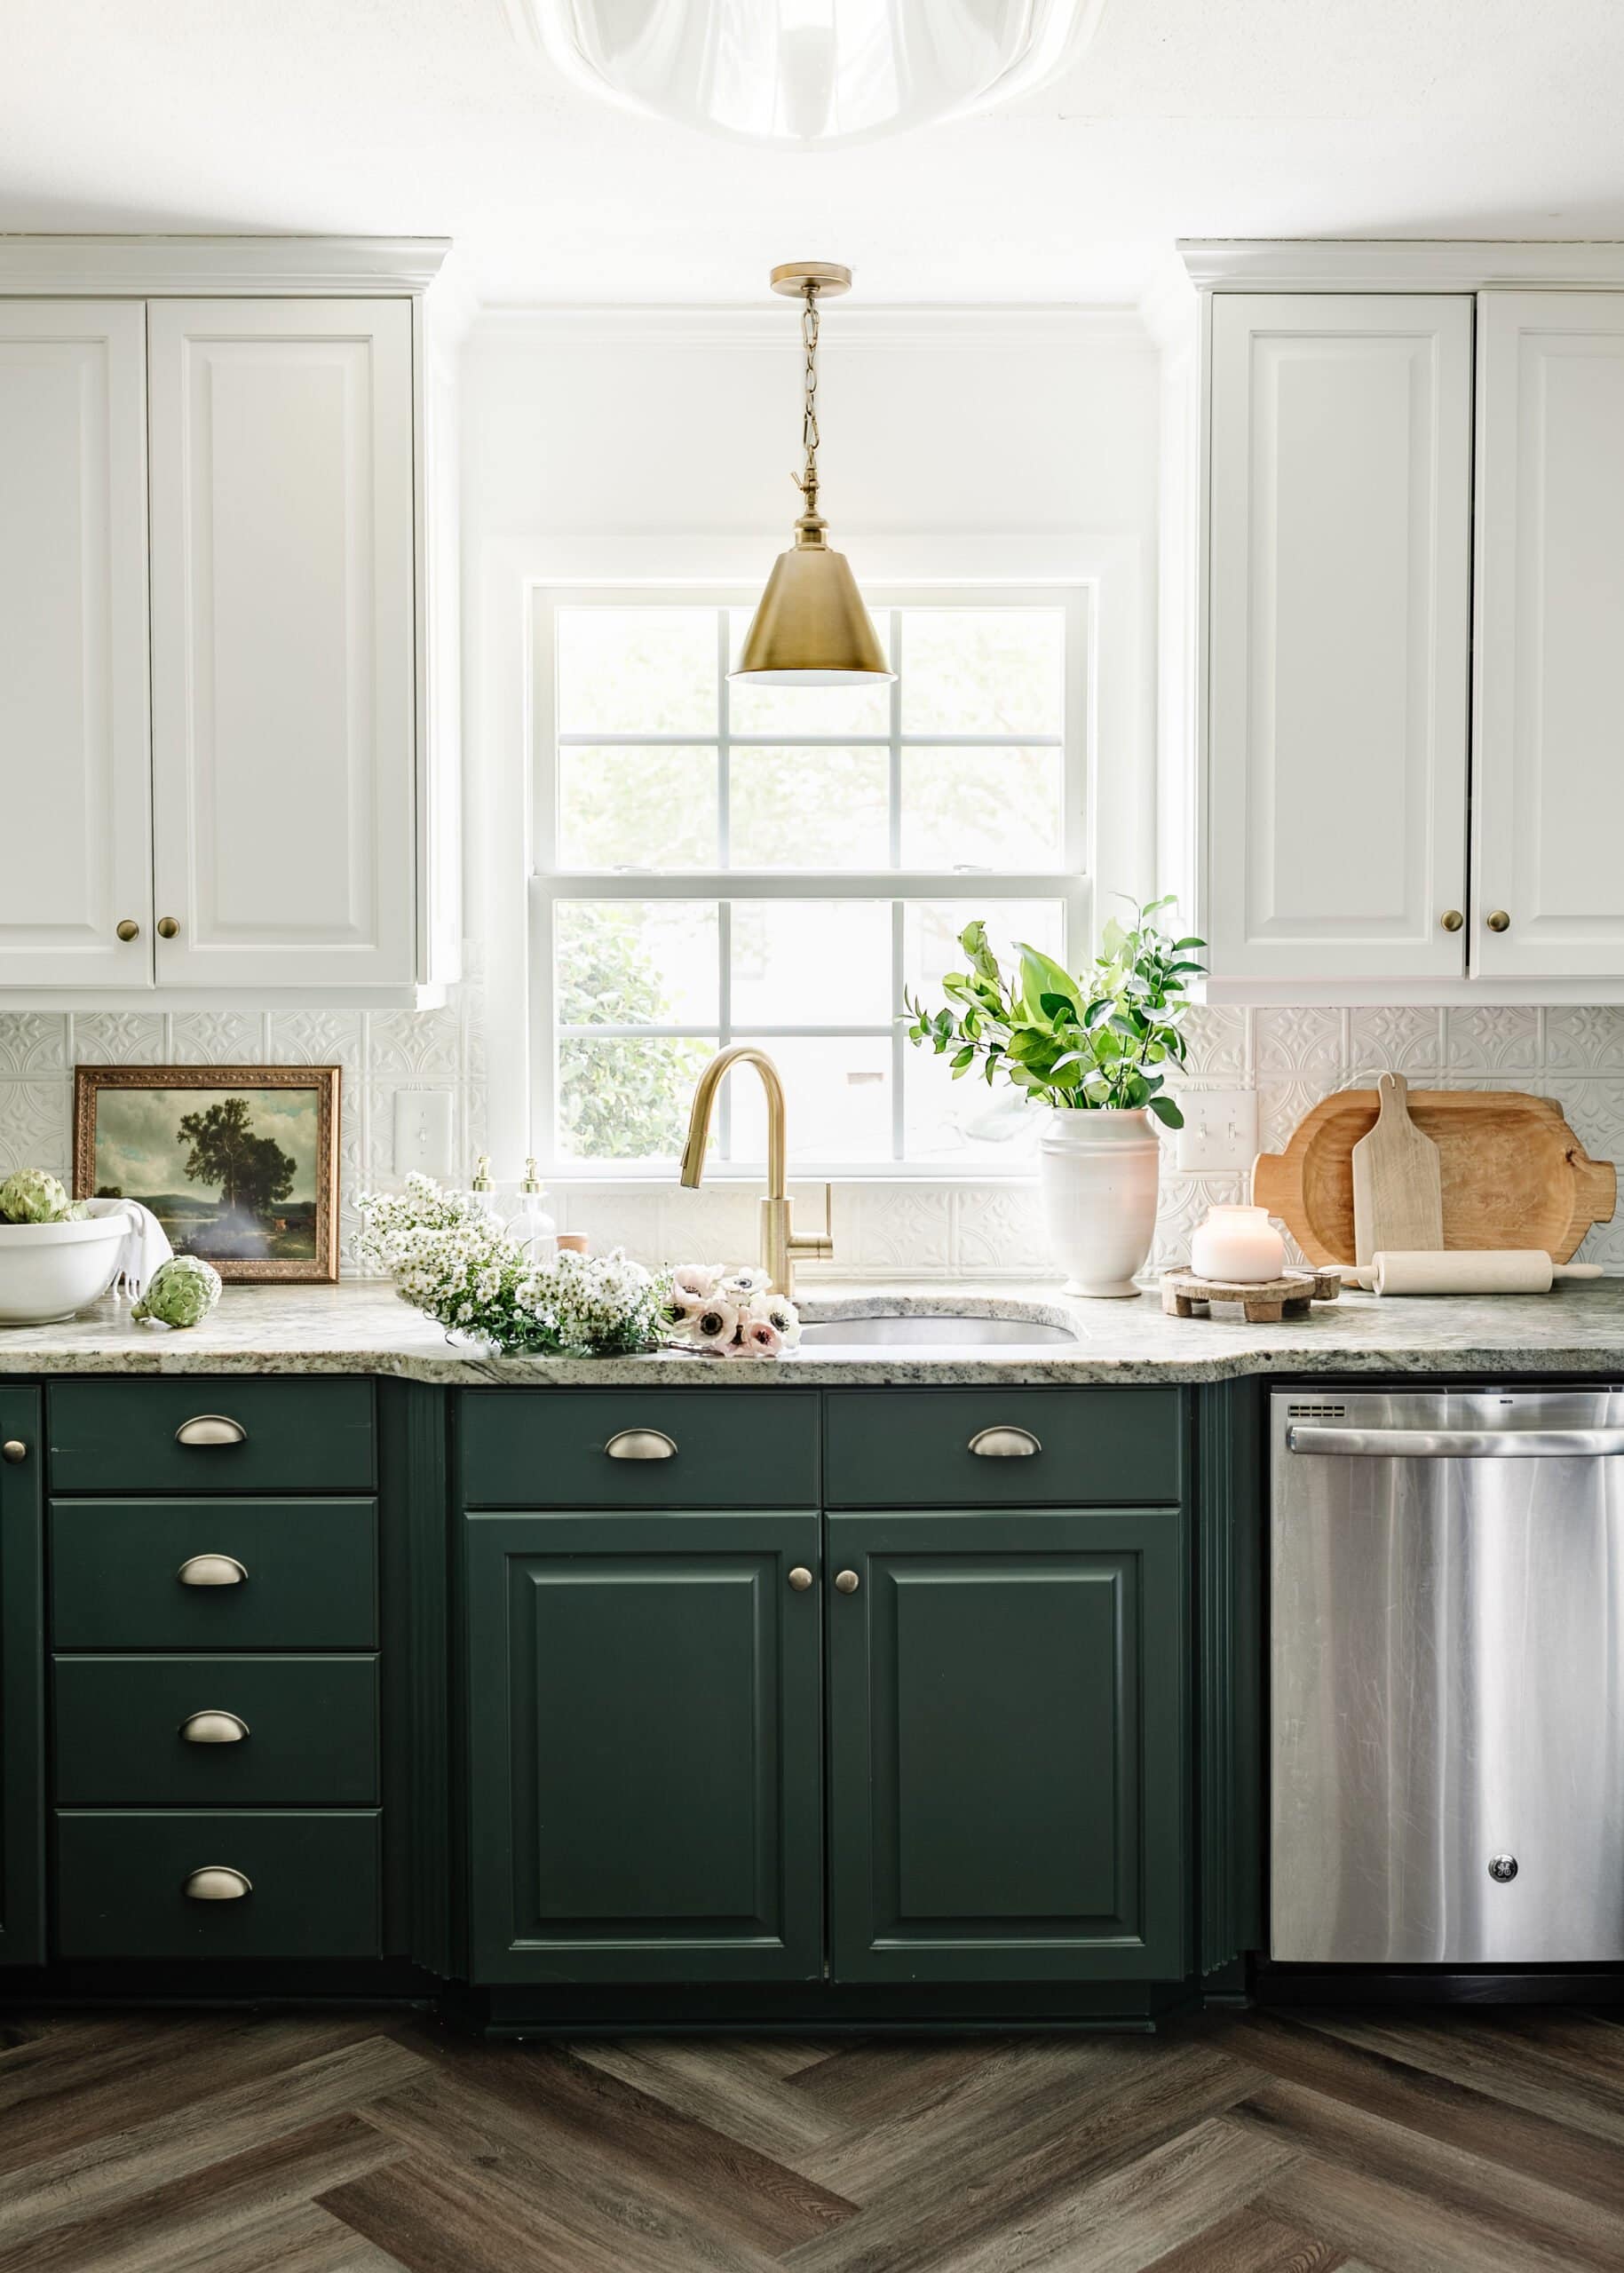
(812, 628)
(806, 74)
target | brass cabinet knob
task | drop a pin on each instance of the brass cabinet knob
(129, 930)
(216, 1882)
(1451, 919)
(211, 1570)
(213, 1726)
(800, 1578)
(846, 1582)
(1004, 1444)
(167, 927)
(1500, 921)
(641, 1443)
(212, 1429)
(14, 1450)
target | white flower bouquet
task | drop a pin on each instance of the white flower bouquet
(449, 1257)
(729, 1313)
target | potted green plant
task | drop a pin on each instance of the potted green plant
(1096, 1048)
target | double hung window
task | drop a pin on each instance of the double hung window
(718, 863)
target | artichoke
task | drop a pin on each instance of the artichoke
(35, 1196)
(182, 1292)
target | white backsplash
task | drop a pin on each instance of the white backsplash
(379, 1051)
(916, 1228)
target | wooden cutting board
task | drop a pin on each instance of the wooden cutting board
(1398, 1190)
(1511, 1172)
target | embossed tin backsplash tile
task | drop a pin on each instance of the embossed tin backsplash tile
(1293, 1055)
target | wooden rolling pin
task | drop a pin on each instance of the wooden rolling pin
(1470, 1271)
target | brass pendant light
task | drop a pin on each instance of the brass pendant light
(812, 628)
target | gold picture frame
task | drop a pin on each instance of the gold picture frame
(278, 1226)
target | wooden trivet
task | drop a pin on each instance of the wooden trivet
(1185, 1294)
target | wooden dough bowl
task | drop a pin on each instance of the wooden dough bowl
(1513, 1172)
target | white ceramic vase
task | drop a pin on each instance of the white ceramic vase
(50, 1271)
(1099, 1173)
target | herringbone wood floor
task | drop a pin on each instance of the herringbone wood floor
(236, 2143)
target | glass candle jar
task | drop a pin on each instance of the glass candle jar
(1238, 1244)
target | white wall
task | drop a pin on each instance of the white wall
(956, 444)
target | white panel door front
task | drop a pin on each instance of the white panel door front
(1338, 629)
(1549, 736)
(283, 690)
(76, 783)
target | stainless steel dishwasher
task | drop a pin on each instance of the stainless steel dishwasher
(1447, 1660)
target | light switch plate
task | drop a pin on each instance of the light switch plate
(1220, 1131)
(423, 1133)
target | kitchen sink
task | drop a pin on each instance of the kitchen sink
(925, 1330)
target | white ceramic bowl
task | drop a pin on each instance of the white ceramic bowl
(52, 1271)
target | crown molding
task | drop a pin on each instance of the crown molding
(1399, 264)
(844, 327)
(147, 267)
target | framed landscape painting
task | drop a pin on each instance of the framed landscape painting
(238, 1163)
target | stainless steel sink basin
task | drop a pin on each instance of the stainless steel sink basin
(925, 1330)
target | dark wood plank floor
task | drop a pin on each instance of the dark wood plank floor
(1246, 2144)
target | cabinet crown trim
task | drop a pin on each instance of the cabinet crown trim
(1400, 265)
(151, 266)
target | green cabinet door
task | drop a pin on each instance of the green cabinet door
(644, 1747)
(1008, 1758)
(22, 1712)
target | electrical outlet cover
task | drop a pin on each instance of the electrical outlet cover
(423, 1133)
(1220, 1131)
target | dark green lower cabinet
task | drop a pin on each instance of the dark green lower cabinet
(126, 1882)
(22, 1704)
(1009, 1787)
(643, 1745)
(126, 1730)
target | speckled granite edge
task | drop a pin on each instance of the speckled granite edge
(363, 1328)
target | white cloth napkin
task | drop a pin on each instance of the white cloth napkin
(144, 1246)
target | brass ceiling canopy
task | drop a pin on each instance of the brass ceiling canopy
(812, 628)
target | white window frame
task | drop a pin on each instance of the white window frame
(1071, 881)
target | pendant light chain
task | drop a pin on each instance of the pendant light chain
(808, 483)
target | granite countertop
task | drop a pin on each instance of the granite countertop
(362, 1327)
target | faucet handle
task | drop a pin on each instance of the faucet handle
(818, 1246)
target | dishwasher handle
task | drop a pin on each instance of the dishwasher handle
(1459, 1444)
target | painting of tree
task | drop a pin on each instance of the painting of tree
(253, 1172)
(238, 1163)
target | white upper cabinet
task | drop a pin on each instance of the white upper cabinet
(1339, 569)
(283, 641)
(76, 841)
(228, 685)
(1548, 856)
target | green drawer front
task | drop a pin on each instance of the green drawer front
(311, 1740)
(121, 1885)
(123, 1436)
(911, 1448)
(547, 1448)
(311, 1582)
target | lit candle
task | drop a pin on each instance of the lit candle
(1238, 1244)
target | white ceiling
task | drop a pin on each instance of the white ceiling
(1185, 117)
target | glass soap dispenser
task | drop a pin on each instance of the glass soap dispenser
(533, 1227)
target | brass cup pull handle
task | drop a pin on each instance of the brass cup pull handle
(1452, 918)
(212, 1429)
(800, 1578)
(127, 930)
(641, 1443)
(1500, 921)
(213, 1726)
(216, 1882)
(167, 927)
(211, 1570)
(1004, 1444)
(846, 1582)
(14, 1450)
